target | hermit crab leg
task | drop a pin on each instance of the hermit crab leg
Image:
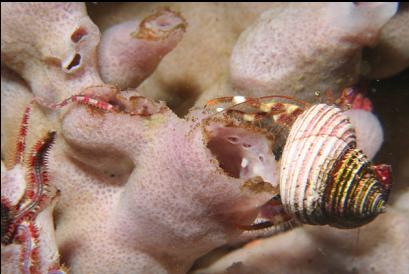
(81, 99)
(272, 215)
(243, 100)
(268, 231)
(117, 103)
(37, 186)
(256, 226)
(228, 99)
(304, 104)
(354, 98)
(283, 114)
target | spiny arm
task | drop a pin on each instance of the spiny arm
(37, 184)
(21, 139)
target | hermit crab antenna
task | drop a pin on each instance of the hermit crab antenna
(295, 100)
(238, 100)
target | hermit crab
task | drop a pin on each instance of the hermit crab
(324, 177)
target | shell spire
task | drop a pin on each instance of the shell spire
(354, 195)
(324, 178)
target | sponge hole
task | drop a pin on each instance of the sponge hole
(75, 62)
(78, 34)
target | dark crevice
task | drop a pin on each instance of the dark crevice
(183, 95)
(75, 61)
(390, 98)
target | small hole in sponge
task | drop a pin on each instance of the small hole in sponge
(163, 21)
(78, 34)
(233, 139)
(75, 62)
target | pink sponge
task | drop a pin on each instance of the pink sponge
(128, 54)
(303, 48)
(51, 45)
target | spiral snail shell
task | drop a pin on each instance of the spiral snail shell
(324, 178)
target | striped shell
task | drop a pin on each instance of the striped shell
(324, 178)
